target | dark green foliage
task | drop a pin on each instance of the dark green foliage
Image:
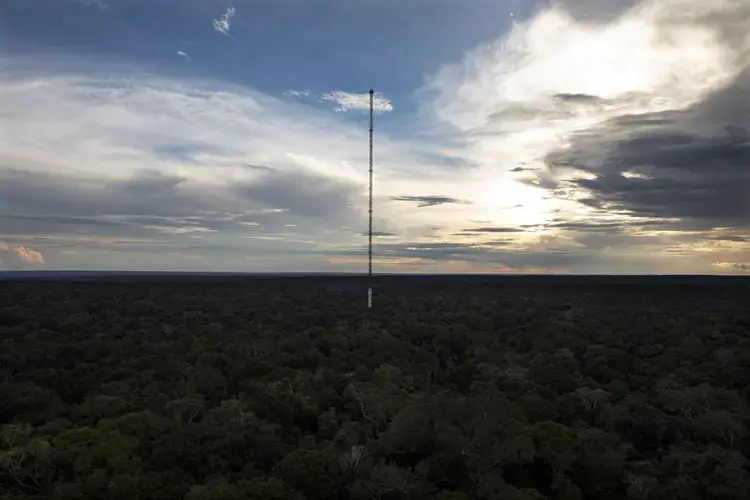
(260, 392)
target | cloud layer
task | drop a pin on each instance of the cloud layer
(624, 119)
(102, 163)
(606, 136)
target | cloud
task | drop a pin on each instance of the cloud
(379, 234)
(734, 238)
(18, 257)
(578, 98)
(148, 182)
(522, 169)
(348, 101)
(690, 167)
(94, 3)
(305, 195)
(735, 266)
(492, 230)
(297, 93)
(184, 55)
(612, 134)
(484, 257)
(222, 162)
(595, 11)
(261, 168)
(29, 255)
(224, 23)
(626, 118)
(429, 201)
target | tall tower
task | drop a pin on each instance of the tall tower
(369, 233)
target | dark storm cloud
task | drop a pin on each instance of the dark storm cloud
(693, 165)
(430, 201)
(695, 162)
(605, 226)
(522, 169)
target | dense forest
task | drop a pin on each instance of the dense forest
(271, 390)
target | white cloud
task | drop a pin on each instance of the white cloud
(224, 23)
(297, 93)
(639, 63)
(516, 99)
(348, 101)
(184, 55)
(206, 139)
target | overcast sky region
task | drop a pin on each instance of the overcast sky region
(511, 136)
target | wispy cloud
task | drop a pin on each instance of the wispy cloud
(94, 3)
(297, 93)
(347, 101)
(273, 167)
(224, 23)
(184, 55)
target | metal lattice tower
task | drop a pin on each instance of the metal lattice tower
(369, 234)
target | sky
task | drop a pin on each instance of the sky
(511, 136)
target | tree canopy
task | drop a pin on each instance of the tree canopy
(208, 391)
